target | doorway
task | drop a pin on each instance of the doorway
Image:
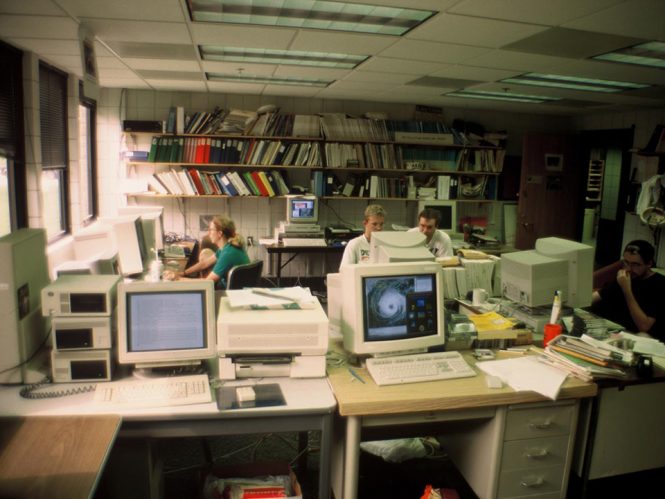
(605, 210)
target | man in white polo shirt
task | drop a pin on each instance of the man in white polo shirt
(438, 242)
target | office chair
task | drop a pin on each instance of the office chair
(242, 276)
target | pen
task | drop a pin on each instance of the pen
(355, 375)
(270, 294)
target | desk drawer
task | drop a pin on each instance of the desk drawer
(534, 453)
(544, 421)
(531, 482)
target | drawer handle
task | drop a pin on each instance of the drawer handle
(532, 482)
(543, 425)
(536, 453)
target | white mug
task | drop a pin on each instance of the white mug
(479, 296)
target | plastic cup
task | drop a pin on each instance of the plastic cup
(551, 331)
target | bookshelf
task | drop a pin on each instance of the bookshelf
(352, 158)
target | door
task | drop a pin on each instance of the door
(552, 184)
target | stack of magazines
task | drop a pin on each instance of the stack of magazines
(588, 358)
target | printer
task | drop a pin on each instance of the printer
(273, 342)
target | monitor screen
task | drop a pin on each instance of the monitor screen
(399, 307)
(447, 212)
(390, 309)
(302, 209)
(163, 324)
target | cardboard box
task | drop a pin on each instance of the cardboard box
(249, 470)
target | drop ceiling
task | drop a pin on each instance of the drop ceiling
(467, 44)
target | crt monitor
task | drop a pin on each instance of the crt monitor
(532, 277)
(302, 209)
(447, 212)
(392, 309)
(129, 239)
(398, 246)
(152, 219)
(167, 323)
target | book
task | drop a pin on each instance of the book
(228, 186)
(266, 183)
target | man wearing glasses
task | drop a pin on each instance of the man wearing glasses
(635, 298)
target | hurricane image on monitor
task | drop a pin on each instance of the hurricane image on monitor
(399, 307)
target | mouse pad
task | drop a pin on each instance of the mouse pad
(268, 395)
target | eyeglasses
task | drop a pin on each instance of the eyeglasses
(632, 265)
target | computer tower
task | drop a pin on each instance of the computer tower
(23, 329)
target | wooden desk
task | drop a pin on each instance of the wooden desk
(484, 428)
(54, 457)
(278, 250)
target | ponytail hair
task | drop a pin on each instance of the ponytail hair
(226, 226)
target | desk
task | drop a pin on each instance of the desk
(294, 251)
(622, 430)
(489, 430)
(310, 406)
(54, 457)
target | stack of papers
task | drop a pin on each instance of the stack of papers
(527, 374)
(294, 298)
(588, 358)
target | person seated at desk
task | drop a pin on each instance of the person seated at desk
(357, 250)
(635, 298)
(231, 250)
(437, 241)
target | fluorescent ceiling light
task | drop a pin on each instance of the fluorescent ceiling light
(315, 14)
(268, 80)
(650, 54)
(573, 83)
(270, 56)
(504, 96)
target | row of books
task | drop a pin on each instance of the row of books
(194, 182)
(471, 274)
(202, 150)
(231, 121)
(286, 125)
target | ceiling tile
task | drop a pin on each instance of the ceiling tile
(150, 74)
(572, 43)
(474, 73)
(49, 46)
(635, 18)
(235, 67)
(431, 51)
(544, 12)
(33, 7)
(371, 76)
(516, 61)
(166, 51)
(242, 36)
(116, 73)
(474, 31)
(236, 87)
(311, 72)
(186, 85)
(161, 64)
(138, 31)
(147, 10)
(345, 43)
(63, 28)
(405, 66)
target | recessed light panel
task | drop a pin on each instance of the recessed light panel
(573, 83)
(314, 14)
(503, 96)
(290, 57)
(650, 54)
(268, 80)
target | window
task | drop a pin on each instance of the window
(87, 160)
(53, 128)
(13, 211)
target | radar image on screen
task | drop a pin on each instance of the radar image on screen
(399, 306)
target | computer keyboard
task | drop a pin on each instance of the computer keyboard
(303, 241)
(155, 392)
(418, 367)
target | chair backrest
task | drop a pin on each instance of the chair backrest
(242, 276)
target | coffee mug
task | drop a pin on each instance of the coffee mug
(479, 296)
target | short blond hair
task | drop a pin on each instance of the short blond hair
(375, 210)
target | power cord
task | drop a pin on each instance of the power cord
(31, 391)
